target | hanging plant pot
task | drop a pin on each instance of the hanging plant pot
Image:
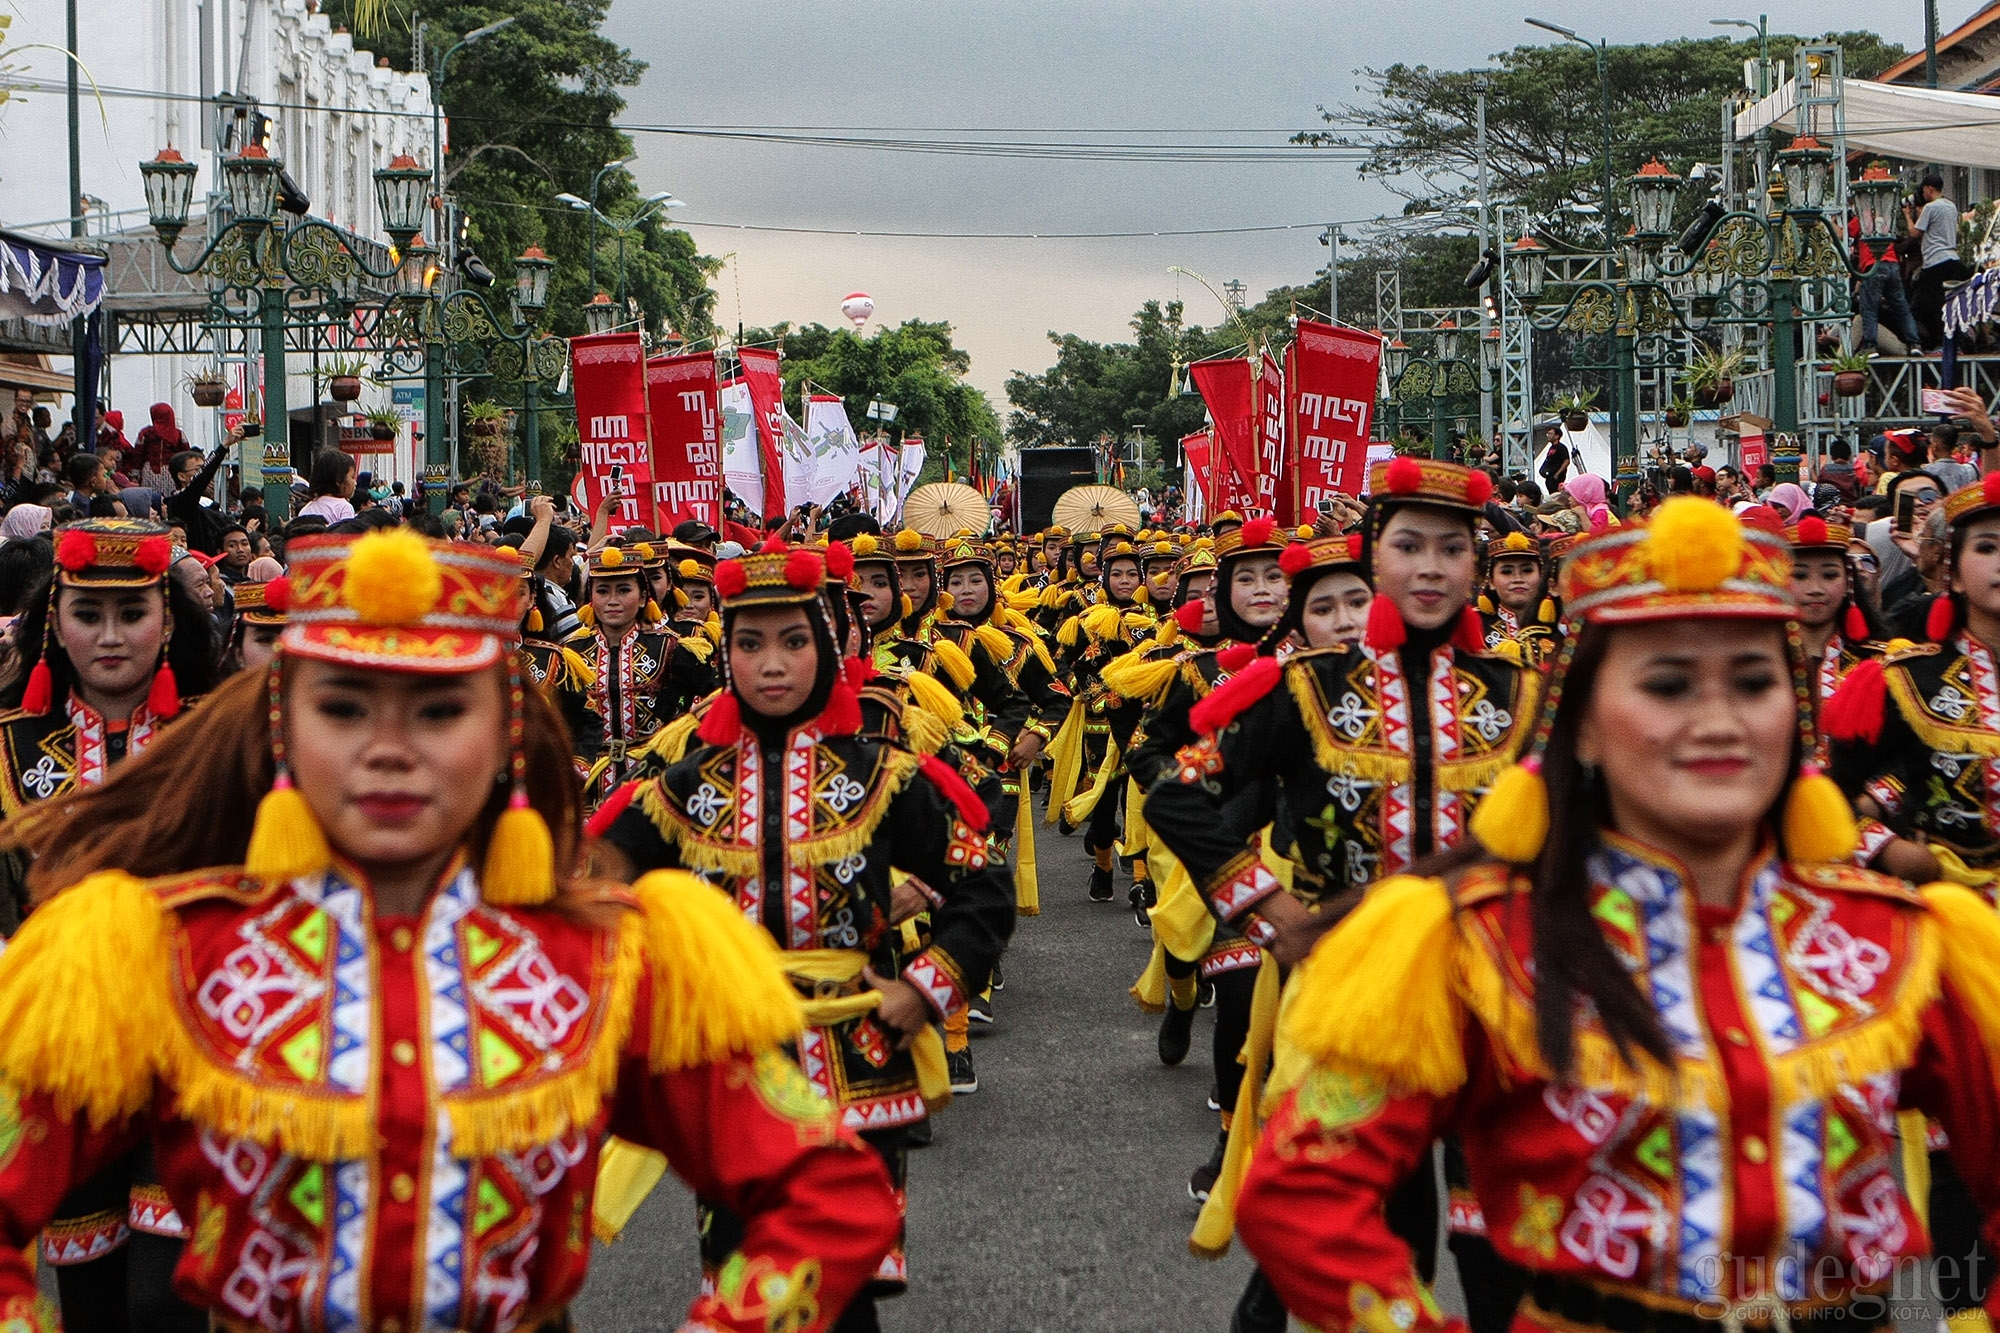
(344, 388)
(1850, 383)
(486, 428)
(1725, 389)
(207, 393)
(1676, 419)
(1576, 421)
(381, 432)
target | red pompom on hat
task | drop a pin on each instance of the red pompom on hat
(154, 554)
(839, 560)
(1403, 475)
(804, 570)
(773, 545)
(1189, 615)
(1479, 486)
(1354, 541)
(278, 594)
(76, 551)
(1295, 560)
(1258, 530)
(730, 580)
(1989, 486)
(1812, 531)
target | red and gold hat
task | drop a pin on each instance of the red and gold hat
(1159, 550)
(1256, 536)
(1514, 545)
(1323, 555)
(1693, 560)
(773, 575)
(691, 564)
(912, 547)
(265, 603)
(872, 549)
(964, 549)
(393, 600)
(1429, 481)
(615, 560)
(1974, 501)
(1813, 533)
(112, 553)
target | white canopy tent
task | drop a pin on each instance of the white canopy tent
(1917, 124)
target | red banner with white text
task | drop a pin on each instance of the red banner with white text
(687, 439)
(1274, 489)
(767, 405)
(608, 383)
(1332, 396)
(1225, 387)
(1198, 477)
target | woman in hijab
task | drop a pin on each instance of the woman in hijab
(1587, 489)
(24, 522)
(156, 444)
(1789, 500)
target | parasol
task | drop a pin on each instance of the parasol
(1092, 508)
(940, 509)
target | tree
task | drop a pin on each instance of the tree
(532, 110)
(1544, 119)
(914, 365)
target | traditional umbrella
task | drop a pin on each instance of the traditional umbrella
(1093, 508)
(943, 508)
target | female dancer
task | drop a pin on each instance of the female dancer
(799, 820)
(376, 1036)
(1670, 1027)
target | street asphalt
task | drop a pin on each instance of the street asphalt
(1055, 1197)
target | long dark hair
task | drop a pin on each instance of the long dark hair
(187, 801)
(191, 650)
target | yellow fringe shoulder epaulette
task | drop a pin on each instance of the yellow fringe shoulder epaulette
(577, 669)
(1134, 676)
(995, 641)
(1071, 628)
(953, 661)
(922, 732)
(935, 699)
(1102, 621)
(717, 987)
(699, 645)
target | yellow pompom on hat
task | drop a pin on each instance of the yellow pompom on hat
(912, 547)
(1695, 560)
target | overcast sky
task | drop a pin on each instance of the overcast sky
(1112, 65)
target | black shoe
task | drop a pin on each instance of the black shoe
(999, 983)
(1142, 898)
(959, 1065)
(1176, 1033)
(1203, 1179)
(1258, 1310)
(1207, 995)
(980, 1010)
(921, 1134)
(1100, 885)
(1063, 826)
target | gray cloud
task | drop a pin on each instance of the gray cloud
(1118, 65)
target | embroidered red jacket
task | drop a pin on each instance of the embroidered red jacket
(1758, 1169)
(393, 1124)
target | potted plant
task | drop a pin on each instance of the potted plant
(383, 423)
(1712, 375)
(343, 383)
(487, 419)
(1850, 374)
(206, 387)
(1679, 412)
(1574, 409)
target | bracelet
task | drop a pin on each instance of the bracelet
(1260, 932)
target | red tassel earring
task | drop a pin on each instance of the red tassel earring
(724, 723)
(1855, 627)
(1470, 636)
(1941, 620)
(39, 696)
(1386, 631)
(164, 699)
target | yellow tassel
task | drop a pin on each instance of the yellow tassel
(1485, 605)
(1102, 621)
(579, 670)
(84, 1002)
(995, 641)
(1133, 677)
(653, 611)
(1169, 632)
(680, 600)
(718, 989)
(922, 732)
(1546, 612)
(286, 842)
(943, 602)
(535, 624)
(1818, 823)
(1377, 992)
(1512, 820)
(935, 699)
(1066, 636)
(906, 606)
(626, 1174)
(587, 616)
(1141, 595)
(955, 663)
(1027, 877)
(520, 869)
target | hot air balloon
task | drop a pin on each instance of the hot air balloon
(858, 307)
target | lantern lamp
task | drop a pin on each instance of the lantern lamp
(1874, 197)
(1654, 189)
(1489, 351)
(600, 315)
(1396, 356)
(169, 190)
(1808, 172)
(1528, 263)
(416, 270)
(402, 191)
(250, 179)
(1447, 340)
(531, 280)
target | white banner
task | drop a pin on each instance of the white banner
(911, 463)
(742, 472)
(836, 454)
(1194, 501)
